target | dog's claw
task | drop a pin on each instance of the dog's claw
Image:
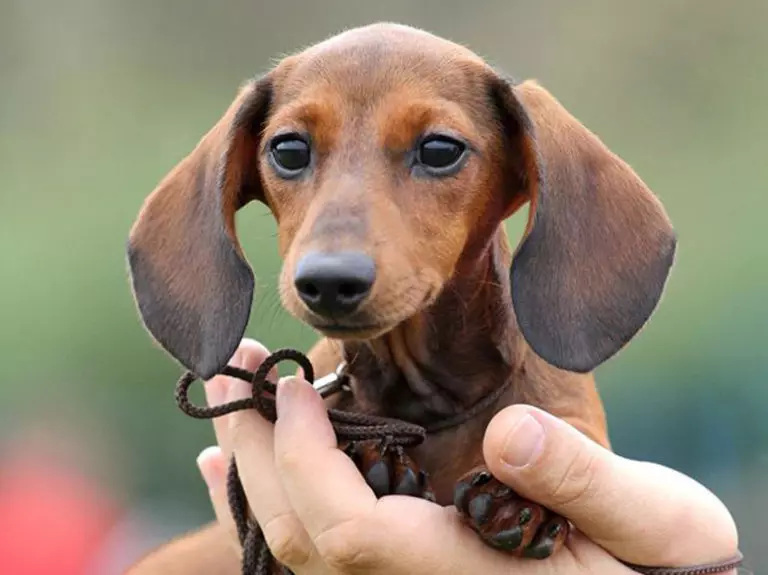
(549, 538)
(481, 478)
(388, 470)
(506, 521)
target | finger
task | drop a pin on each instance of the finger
(213, 467)
(636, 510)
(322, 483)
(251, 438)
(249, 355)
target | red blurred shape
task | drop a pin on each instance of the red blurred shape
(52, 519)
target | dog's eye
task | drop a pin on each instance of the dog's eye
(290, 154)
(440, 154)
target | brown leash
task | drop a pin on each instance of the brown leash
(349, 426)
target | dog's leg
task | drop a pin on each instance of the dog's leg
(388, 470)
(505, 520)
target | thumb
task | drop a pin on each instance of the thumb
(640, 512)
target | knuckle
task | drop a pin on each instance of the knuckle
(576, 483)
(289, 460)
(345, 548)
(287, 540)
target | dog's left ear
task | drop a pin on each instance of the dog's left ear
(191, 281)
(598, 247)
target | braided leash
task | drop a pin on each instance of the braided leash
(349, 426)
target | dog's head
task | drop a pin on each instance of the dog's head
(388, 156)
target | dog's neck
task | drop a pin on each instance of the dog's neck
(448, 357)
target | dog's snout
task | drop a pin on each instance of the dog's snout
(334, 284)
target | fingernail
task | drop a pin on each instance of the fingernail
(288, 391)
(207, 464)
(524, 442)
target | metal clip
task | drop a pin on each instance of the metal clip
(333, 382)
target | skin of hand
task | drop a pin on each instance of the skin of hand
(319, 516)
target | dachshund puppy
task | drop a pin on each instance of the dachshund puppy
(390, 159)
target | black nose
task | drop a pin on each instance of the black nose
(334, 283)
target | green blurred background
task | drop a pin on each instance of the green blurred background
(100, 98)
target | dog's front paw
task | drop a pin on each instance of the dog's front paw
(506, 521)
(388, 470)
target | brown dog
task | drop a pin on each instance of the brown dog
(390, 159)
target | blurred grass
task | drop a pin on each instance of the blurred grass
(100, 99)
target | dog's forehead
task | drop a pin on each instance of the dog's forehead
(365, 63)
(388, 38)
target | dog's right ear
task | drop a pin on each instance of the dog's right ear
(192, 284)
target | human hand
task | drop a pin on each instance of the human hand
(319, 516)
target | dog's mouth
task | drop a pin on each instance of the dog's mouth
(350, 331)
(361, 328)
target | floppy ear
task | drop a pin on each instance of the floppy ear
(598, 247)
(192, 284)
